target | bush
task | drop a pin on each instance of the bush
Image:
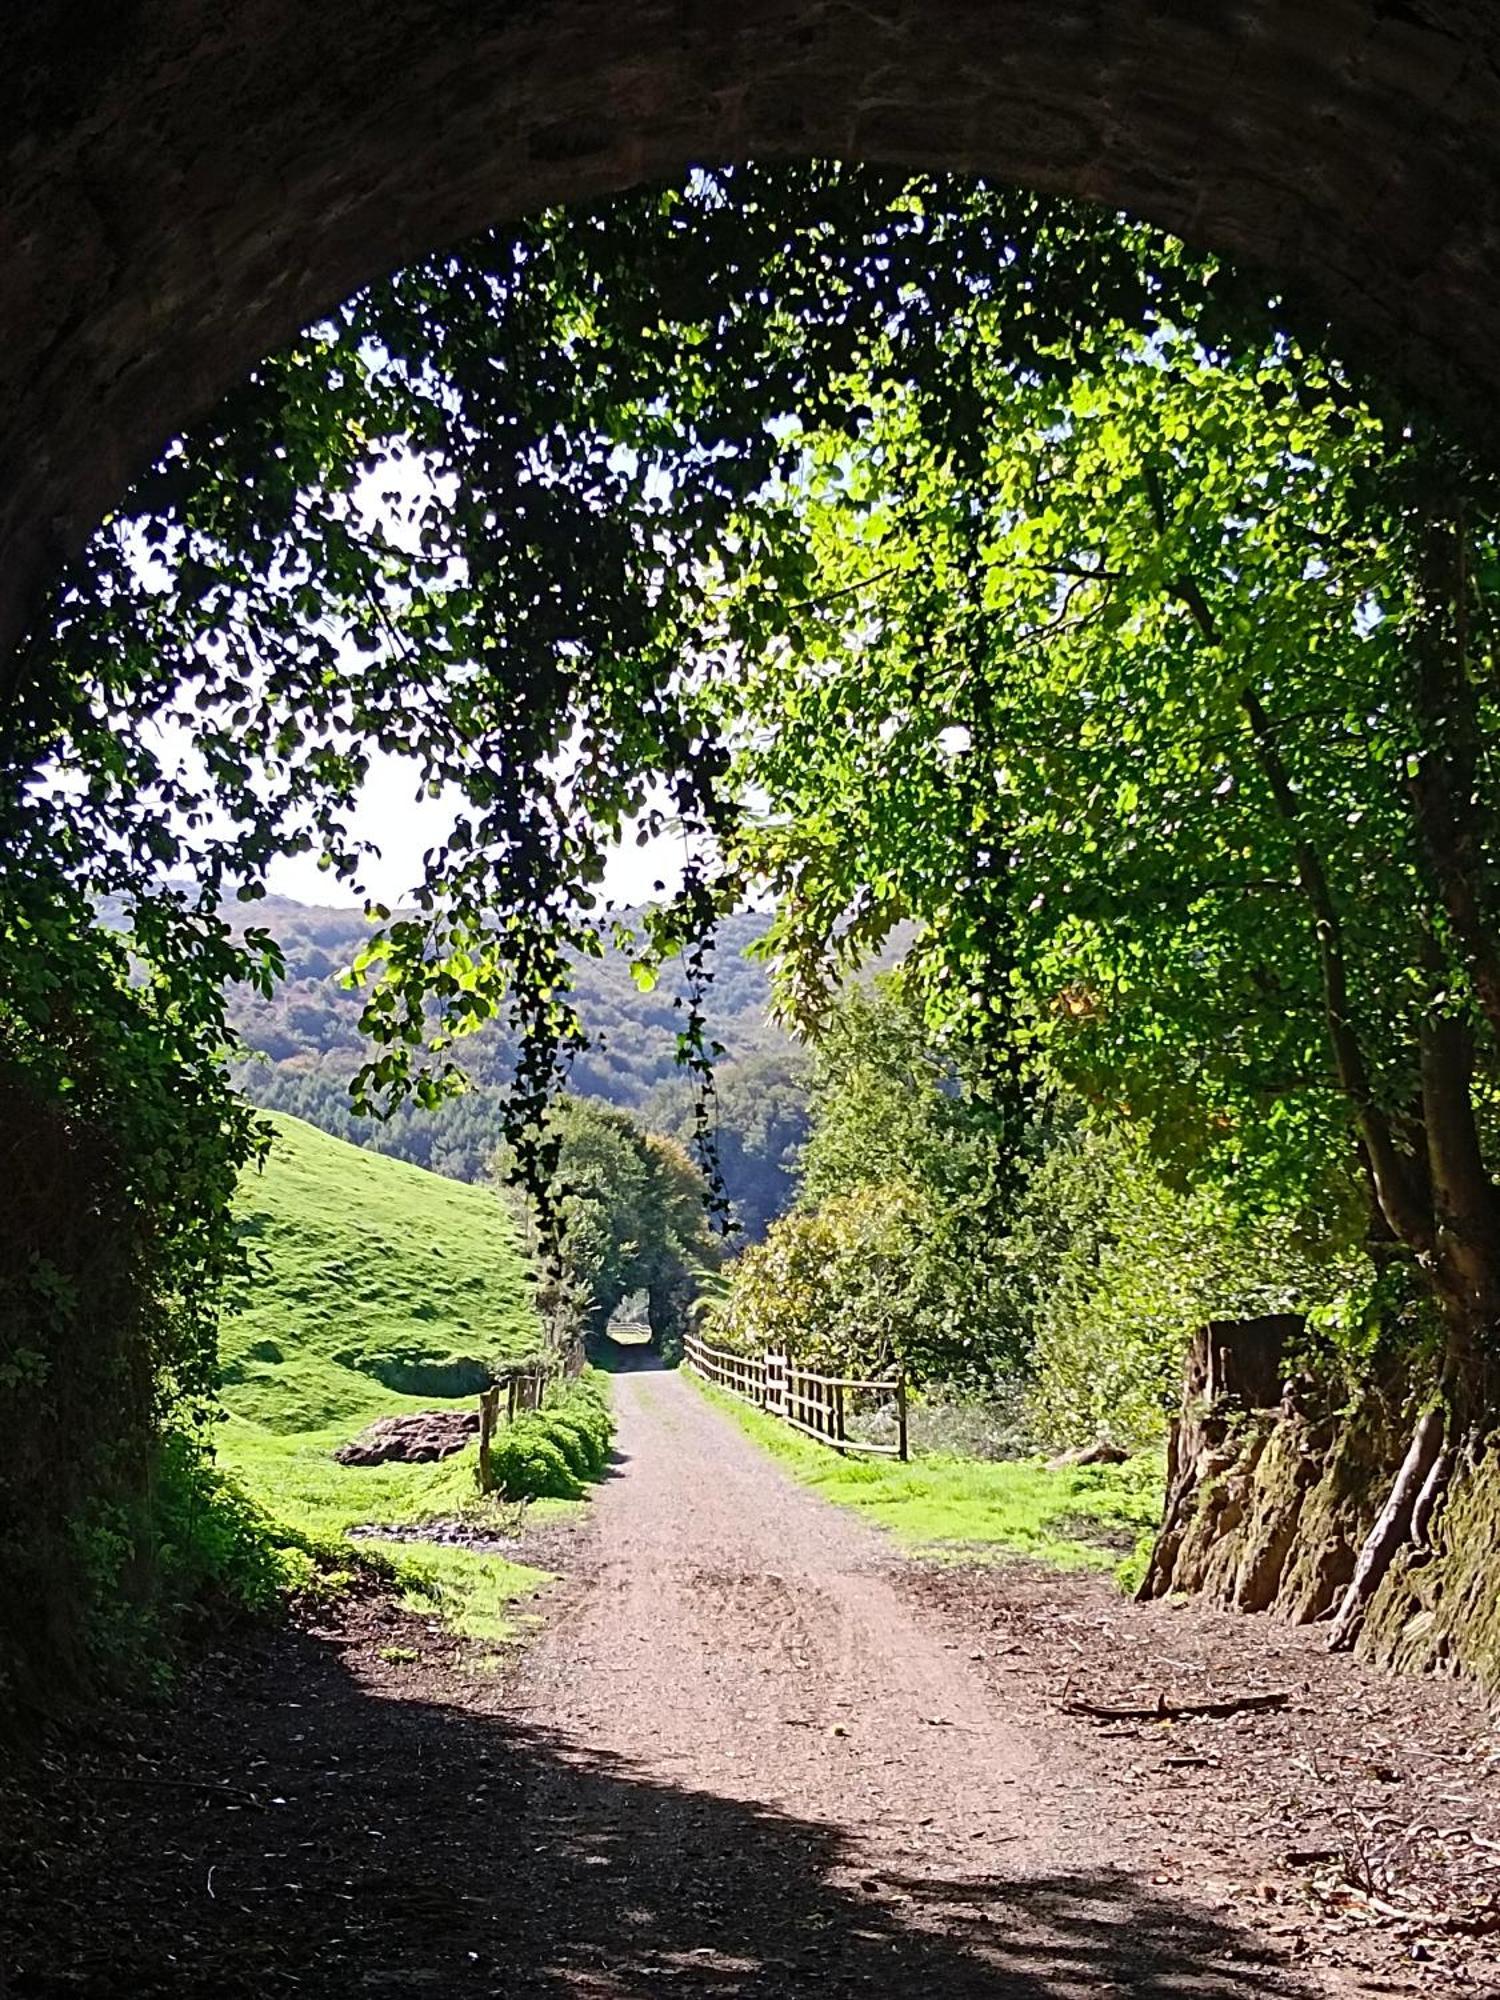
(995, 1426)
(548, 1453)
(581, 1441)
(192, 1547)
(1123, 1268)
(582, 1415)
(574, 1442)
(118, 1150)
(832, 1286)
(529, 1464)
(212, 1541)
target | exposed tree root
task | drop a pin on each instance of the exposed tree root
(1434, 1486)
(1393, 1527)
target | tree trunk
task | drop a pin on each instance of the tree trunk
(1232, 1367)
(1429, 1499)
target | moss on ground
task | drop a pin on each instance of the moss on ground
(1438, 1610)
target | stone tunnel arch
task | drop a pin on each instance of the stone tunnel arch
(181, 187)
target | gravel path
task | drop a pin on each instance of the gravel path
(752, 1752)
(741, 1649)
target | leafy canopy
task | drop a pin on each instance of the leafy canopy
(509, 515)
(1125, 702)
(925, 551)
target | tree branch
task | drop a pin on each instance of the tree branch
(1444, 787)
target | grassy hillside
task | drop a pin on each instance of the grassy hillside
(376, 1287)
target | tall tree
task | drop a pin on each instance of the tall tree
(634, 1219)
(1167, 704)
(896, 1249)
(895, 1105)
(487, 518)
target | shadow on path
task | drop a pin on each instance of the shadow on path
(391, 1840)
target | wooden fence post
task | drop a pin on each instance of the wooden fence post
(775, 1389)
(901, 1451)
(489, 1401)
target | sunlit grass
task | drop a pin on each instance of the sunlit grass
(297, 1479)
(473, 1595)
(302, 1489)
(1081, 1517)
(367, 1268)
(376, 1287)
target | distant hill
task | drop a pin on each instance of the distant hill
(310, 1025)
(307, 1044)
(377, 1287)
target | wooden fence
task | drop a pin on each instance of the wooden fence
(520, 1389)
(817, 1405)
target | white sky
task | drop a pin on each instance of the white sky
(395, 812)
(403, 827)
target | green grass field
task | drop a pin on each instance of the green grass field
(1082, 1517)
(377, 1288)
(371, 1277)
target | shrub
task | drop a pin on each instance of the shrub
(212, 1541)
(830, 1286)
(994, 1426)
(1123, 1268)
(583, 1414)
(580, 1442)
(191, 1546)
(117, 1154)
(574, 1442)
(528, 1463)
(548, 1453)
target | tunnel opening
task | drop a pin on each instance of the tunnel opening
(184, 259)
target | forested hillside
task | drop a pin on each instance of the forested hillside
(309, 1025)
(305, 1045)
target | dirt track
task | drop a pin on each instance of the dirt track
(735, 1638)
(751, 1753)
